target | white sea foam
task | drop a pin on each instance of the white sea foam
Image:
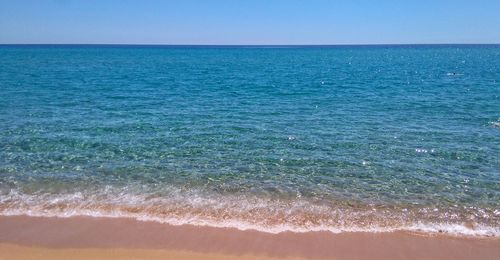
(232, 213)
(451, 229)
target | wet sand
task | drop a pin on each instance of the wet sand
(106, 238)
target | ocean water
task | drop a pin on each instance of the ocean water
(346, 138)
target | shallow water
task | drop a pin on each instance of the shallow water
(366, 138)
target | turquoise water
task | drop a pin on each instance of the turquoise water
(366, 138)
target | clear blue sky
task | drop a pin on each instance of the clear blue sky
(250, 21)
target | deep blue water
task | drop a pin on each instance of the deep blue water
(335, 138)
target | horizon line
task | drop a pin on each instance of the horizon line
(244, 45)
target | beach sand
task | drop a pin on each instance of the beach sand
(116, 238)
(8, 251)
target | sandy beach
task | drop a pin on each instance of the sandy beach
(104, 238)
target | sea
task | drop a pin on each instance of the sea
(376, 138)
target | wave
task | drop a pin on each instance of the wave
(245, 212)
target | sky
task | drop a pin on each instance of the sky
(249, 21)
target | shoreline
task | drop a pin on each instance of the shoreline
(23, 235)
(254, 213)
